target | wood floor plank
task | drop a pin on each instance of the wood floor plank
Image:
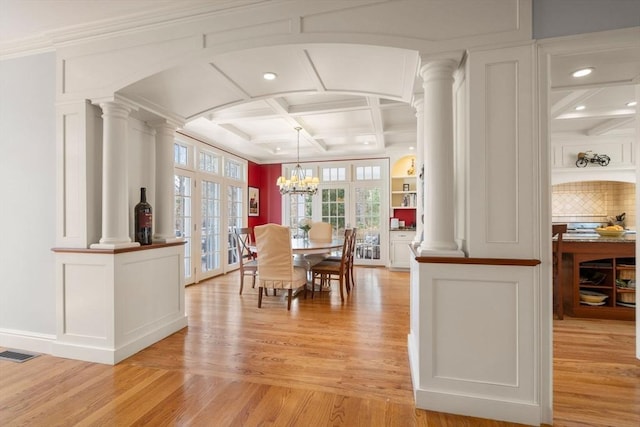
(324, 363)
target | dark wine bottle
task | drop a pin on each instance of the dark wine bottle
(143, 219)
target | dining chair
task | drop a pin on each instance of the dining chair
(558, 299)
(246, 258)
(275, 261)
(349, 276)
(327, 271)
(321, 232)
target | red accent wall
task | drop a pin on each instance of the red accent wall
(406, 215)
(264, 177)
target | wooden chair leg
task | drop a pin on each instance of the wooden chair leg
(347, 281)
(260, 297)
(289, 295)
(241, 282)
(341, 283)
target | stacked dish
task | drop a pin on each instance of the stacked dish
(592, 298)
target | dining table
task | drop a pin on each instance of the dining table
(301, 246)
(304, 246)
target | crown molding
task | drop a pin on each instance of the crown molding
(162, 16)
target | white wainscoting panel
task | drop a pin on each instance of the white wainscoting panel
(110, 306)
(474, 346)
(86, 296)
(478, 345)
(502, 189)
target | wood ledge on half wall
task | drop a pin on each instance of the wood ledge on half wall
(118, 251)
(476, 261)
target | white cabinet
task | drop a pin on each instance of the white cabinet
(400, 251)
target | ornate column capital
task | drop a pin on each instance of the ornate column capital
(418, 103)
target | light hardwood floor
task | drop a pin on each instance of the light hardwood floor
(322, 364)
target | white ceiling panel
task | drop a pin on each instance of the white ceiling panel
(385, 72)
(186, 91)
(613, 66)
(327, 124)
(246, 68)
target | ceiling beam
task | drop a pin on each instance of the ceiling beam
(230, 83)
(376, 119)
(312, 71)
(609, 125)
(329, 107)
(572, 99)
(281, 108)
(234, 130)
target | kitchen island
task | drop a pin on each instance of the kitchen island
(600, 267)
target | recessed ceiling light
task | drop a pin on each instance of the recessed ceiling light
(269, 76)
(278, 148)
(632, 103)
(411, 147)
(580, 107)
(366, 142)
(583, 72)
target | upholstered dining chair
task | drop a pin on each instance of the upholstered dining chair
(321, 232)
(275, 261)
(327, 271)
(246, 258)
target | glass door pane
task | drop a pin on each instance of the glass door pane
(210, 252)
(370, 241)
(333, 207)
(235, 219)
(301, 207)
(184, 219)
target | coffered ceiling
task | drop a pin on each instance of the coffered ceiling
(351, 101)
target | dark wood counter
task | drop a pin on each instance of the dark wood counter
(593, 263)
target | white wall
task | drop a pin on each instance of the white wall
(27, 209)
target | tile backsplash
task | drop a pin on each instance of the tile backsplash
(594, 201)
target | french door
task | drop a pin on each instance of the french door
(210, 202)
(351, 194)
(198, 219)
(371, 238)
(184, 212)
(210, 233)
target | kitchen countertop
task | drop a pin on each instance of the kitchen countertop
(596, 238)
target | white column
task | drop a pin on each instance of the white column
(115, 200)
(439, 232)
(163, 212)
(418, 105)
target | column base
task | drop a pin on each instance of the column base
(427, 251)
(120, 245)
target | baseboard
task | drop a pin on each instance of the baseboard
(501, 410)
(414, 367)
(111, 356)
(29, 341)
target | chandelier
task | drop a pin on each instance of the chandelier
(298, 183)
